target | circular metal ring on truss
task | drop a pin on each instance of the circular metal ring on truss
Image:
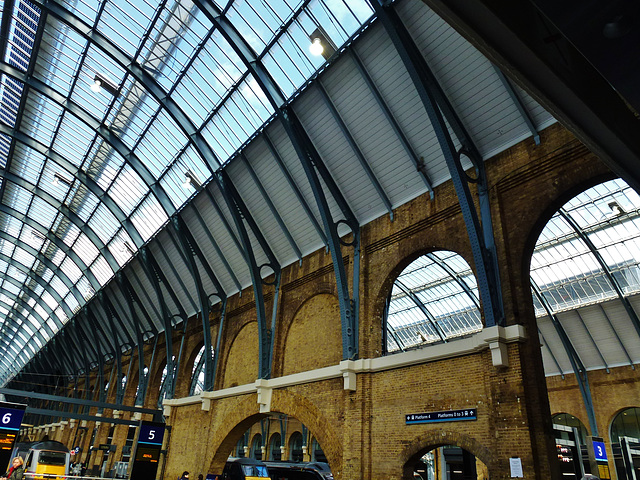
(343, 242)
(264, 278)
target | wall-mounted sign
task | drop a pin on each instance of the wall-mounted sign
(147, 452)
(444, 416)
(10, 420)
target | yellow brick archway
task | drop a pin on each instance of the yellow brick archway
(235, 421)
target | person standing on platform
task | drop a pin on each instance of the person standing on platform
(16, 472)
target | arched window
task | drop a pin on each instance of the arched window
(240, 447)
(626, 424)
(586, 267)
(434, 299)
(569, 420)
(256, 447)
(317, 455)
(164, 387)
(295, 447)
(197, 374)
(275, 453)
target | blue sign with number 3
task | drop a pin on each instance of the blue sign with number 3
(599, 451)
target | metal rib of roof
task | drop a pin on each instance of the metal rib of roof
(97, 175)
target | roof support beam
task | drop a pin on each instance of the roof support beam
(633, 316)
(375, 91)
(519, 104)
(438, 107)
(189, 251)
(545, 344)
(240, 214)
(313, 166)
(355, 147)
(132, 299)
(580, 372)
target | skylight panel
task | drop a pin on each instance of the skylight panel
(104, 223)
(86, 249)
(67, 231)
(71, 270)
(161, 144)
(184, 177)
(104, 164)
(171, 44)
(83, 202)
(101, 270)
(5, 143)
(43, 211)
(23, 257)
(74, 139)
(27, 163)
(17, 197)
(128, 189)
(238, 118)
(124, 23)
(59, 56)
(10, 224)
(136, 112)
(58, 285)
(6, 248)
(149, 217)
(257, 22)
(87, 10)
(41, 117)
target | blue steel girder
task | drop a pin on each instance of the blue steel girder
(131, 300)
(579, 370)
(51, 237)
(633, 316)
(32, 274)
(101, 130)
(79, 174)
(115, 347)
(355, 147)
(112, 317)
(152, 313)
(94, 344)
(593, 342)
(207, 231)
(303, 201)
(271, 206)
(240, 214)
(170, 267)
(189, 252)
(101, 337)
(615, 333)
(436, 105)
(545, 344)
(314, 166)
(310, 158)
(155, 278)
(375, 91)
(517, 101)
(308, 155)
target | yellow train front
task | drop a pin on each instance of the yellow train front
(47, 460)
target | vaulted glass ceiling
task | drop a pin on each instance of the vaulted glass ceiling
(587, 254)
(90, 175)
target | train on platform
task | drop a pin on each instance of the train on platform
(44, 459)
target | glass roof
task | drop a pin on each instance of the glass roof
(91, 175)
(433, 300)
(590, 243)
(564, 266)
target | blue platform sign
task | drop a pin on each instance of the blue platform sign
(151, 433)
(599, 451)
(444, 416)
(11, 416)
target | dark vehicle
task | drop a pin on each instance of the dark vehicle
(244, 469)
(299, 471)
